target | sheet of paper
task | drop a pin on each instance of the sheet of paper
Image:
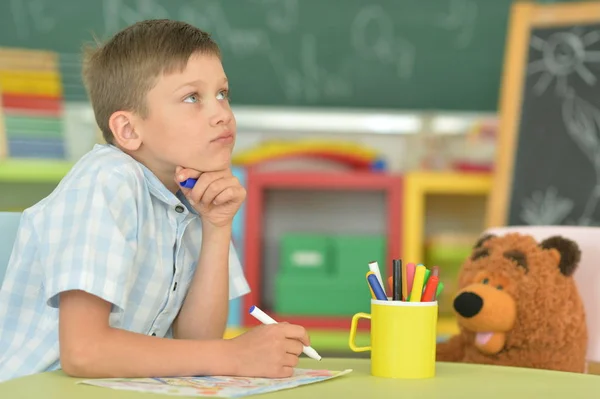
(216, 387)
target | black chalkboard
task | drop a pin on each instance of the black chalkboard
(403, 54)
(558, 154)
(548, 164)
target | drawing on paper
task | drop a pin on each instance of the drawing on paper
(217, 386)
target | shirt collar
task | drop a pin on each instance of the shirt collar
(158, 189)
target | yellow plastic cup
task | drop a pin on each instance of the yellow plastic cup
(403, 338)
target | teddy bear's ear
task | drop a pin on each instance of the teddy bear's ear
(568, 250)
(483, 239)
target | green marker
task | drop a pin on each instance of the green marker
(427, 272)
(440, 288)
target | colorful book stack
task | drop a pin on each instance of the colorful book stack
(31, 104)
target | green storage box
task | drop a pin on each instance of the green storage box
(353, 253)
(320, 296)
(341, 288)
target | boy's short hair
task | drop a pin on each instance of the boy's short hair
(118, 74)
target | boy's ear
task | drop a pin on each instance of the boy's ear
(122, 127)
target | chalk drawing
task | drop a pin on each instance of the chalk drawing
(373, 37)
(281, 15)
(460, 18)
(309, 82)
(563, 54)
(31, 14)
(545, 208)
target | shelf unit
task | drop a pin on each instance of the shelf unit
(33, 170)
(259, 182)
(417, 186)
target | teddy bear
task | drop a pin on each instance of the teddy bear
(518, 305)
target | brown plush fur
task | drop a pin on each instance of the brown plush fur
(521, 298)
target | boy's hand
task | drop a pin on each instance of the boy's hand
(216, 196)
(269, 351)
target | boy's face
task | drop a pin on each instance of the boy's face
(189, 122)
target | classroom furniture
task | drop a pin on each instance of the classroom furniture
(587, 275)
(261, 184)
(237, 236)
(421, 185)
(453, 380)
(31, 105)
(442, 203)
(547, 168)
(324, 274)
(9, 224)
(23, 182)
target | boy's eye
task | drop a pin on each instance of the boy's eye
(192, 98)
(223, 95)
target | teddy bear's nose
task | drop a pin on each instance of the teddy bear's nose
(468, 304)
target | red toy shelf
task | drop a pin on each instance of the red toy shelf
(259, 182)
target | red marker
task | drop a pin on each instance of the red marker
(430, 289)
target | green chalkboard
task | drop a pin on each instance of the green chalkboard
(403, 54)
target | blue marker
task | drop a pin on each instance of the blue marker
(188, 183)
(376, 287)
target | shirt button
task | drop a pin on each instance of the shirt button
(179, 209)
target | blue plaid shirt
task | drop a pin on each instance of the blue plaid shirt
(112, 229)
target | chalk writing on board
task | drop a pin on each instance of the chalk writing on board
(460, 18)
(31, 14)
(304, 78)
(384, 44)
(281, 15)
(310, 81)
(545, 208)
(563, 54)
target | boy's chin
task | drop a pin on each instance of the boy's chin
(213, 167)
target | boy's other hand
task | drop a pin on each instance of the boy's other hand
(269, 351)
(216, 196)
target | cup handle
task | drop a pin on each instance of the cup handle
(352, 339)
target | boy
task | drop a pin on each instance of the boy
(121, 272)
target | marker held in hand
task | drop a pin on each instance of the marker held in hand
(266, 319)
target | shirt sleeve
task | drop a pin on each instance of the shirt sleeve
(238, 285)
(89, 239)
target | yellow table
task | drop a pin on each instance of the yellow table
(452, 381)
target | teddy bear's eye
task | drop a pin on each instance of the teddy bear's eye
(499, 287)
(485, 281)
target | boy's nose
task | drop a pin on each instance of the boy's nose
(222, 116)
